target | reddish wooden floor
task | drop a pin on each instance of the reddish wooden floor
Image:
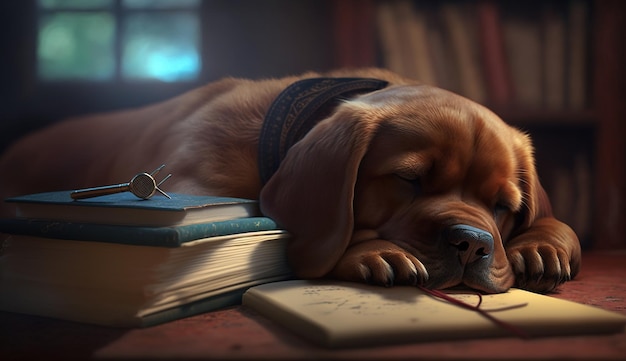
(239, 333)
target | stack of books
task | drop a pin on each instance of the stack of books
(118, 260)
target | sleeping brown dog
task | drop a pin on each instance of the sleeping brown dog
(394, 182)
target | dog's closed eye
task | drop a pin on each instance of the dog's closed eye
(414, 181)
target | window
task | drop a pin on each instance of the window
(129, 40)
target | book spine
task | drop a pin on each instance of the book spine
(554, 61)
(496, 66)
(140, 236)
(462, 34)
(577, 38)
(353, 29)
(389, 33)
(414, 39)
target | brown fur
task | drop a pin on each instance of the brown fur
(367, 192)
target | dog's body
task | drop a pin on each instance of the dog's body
(408, 184)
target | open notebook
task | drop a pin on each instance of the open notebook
(337, 314)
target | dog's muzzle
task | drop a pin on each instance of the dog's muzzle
(472, 244)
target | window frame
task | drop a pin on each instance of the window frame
(46, 101)
(120, 14)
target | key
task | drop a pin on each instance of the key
(142, 185)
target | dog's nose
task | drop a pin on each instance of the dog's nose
(471, 243)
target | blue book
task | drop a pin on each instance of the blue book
(126, 209)
(173, 236)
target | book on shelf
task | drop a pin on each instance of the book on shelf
(352, 20)
(126, 209)
(342, 314)
(391, 46)
(499, 54)
(137, 276)
(554, 57)
(577, 44)
(463, 36)
(444, 63)
(570, 189)
(496, 68)
(523, 47)
(413, 37)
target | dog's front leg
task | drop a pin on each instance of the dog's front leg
(379, 262)
(544, 256)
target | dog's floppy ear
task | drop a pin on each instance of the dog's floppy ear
(538, 234)
(311, 193)
(536, 203)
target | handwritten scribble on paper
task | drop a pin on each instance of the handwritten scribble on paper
(332, 299)
(327, 300)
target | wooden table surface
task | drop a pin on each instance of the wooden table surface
(239, 333)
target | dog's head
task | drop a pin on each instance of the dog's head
(434, 173)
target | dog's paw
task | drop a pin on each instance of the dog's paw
(381, 263)
(539, 267)
(544, 256)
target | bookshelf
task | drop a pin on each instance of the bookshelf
(609, 88)
(552, 68)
